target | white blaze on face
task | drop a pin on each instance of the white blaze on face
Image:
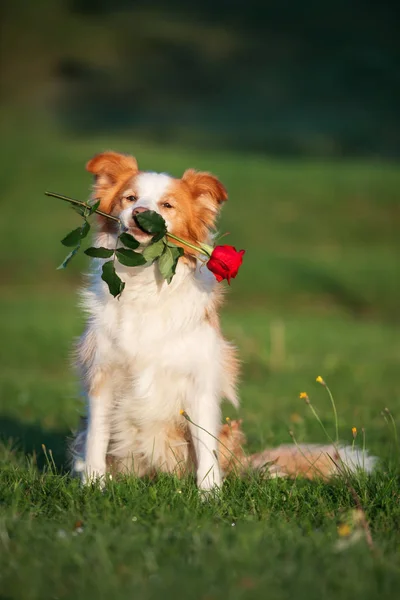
(150, 188)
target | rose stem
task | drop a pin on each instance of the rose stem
(83, 204)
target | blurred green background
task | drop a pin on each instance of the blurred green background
(296, 108)
(287, 78)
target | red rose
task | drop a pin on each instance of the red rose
(225, 262)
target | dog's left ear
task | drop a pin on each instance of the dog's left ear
(207, 192)
(205, 185)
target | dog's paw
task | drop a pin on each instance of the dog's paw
(90, 474)
(209, 480)
(93, 479)
(212, 494)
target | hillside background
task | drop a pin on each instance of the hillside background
(283, 78)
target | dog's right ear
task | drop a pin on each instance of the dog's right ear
(109, 167)
(111, 170)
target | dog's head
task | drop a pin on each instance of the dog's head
(189, 205)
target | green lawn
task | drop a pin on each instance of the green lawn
(318, 294)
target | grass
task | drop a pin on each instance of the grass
(318, 294)
(148, 538)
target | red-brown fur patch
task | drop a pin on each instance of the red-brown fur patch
(112, 171)
(197, 196)
(231, 455)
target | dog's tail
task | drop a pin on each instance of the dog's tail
(311, 461)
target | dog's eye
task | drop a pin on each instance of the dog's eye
(167, 205)
(131, 198)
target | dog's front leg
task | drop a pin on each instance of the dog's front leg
(98, 428)
(206, 417)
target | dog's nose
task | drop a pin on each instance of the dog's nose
(138, 210)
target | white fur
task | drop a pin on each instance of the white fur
(356, 459)
(151, 187)
(157, 355)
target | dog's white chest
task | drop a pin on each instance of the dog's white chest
(153, 323)
(157, 339)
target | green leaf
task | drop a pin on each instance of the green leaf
(151, 222)
(72, 238)
(115, 284)
(154, 251)
(85, 230)
(79, 209)
(99, 252)
(94, 207)
(168, 261)
(129, 258)
(128, 240)
(76, 235)
(157, 237)
(85, 210)
(68, 258)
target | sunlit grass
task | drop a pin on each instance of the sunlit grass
(317, 293)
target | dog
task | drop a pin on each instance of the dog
(157, 350)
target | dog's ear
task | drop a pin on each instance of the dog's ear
(108, 167)
(207, 192)
(111, 171)
(205, 185)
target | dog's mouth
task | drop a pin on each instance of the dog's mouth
(139, 234)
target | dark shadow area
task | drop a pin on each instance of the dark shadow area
(30, 437)
(283, 78)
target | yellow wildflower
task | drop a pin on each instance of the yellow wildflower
(344, 530)
(354, 431)
(320, 380)
(303, 396)
(227, 419)
(181, 412)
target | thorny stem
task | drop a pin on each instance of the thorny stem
(202, 250)
(79, 203)
(116, 244)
